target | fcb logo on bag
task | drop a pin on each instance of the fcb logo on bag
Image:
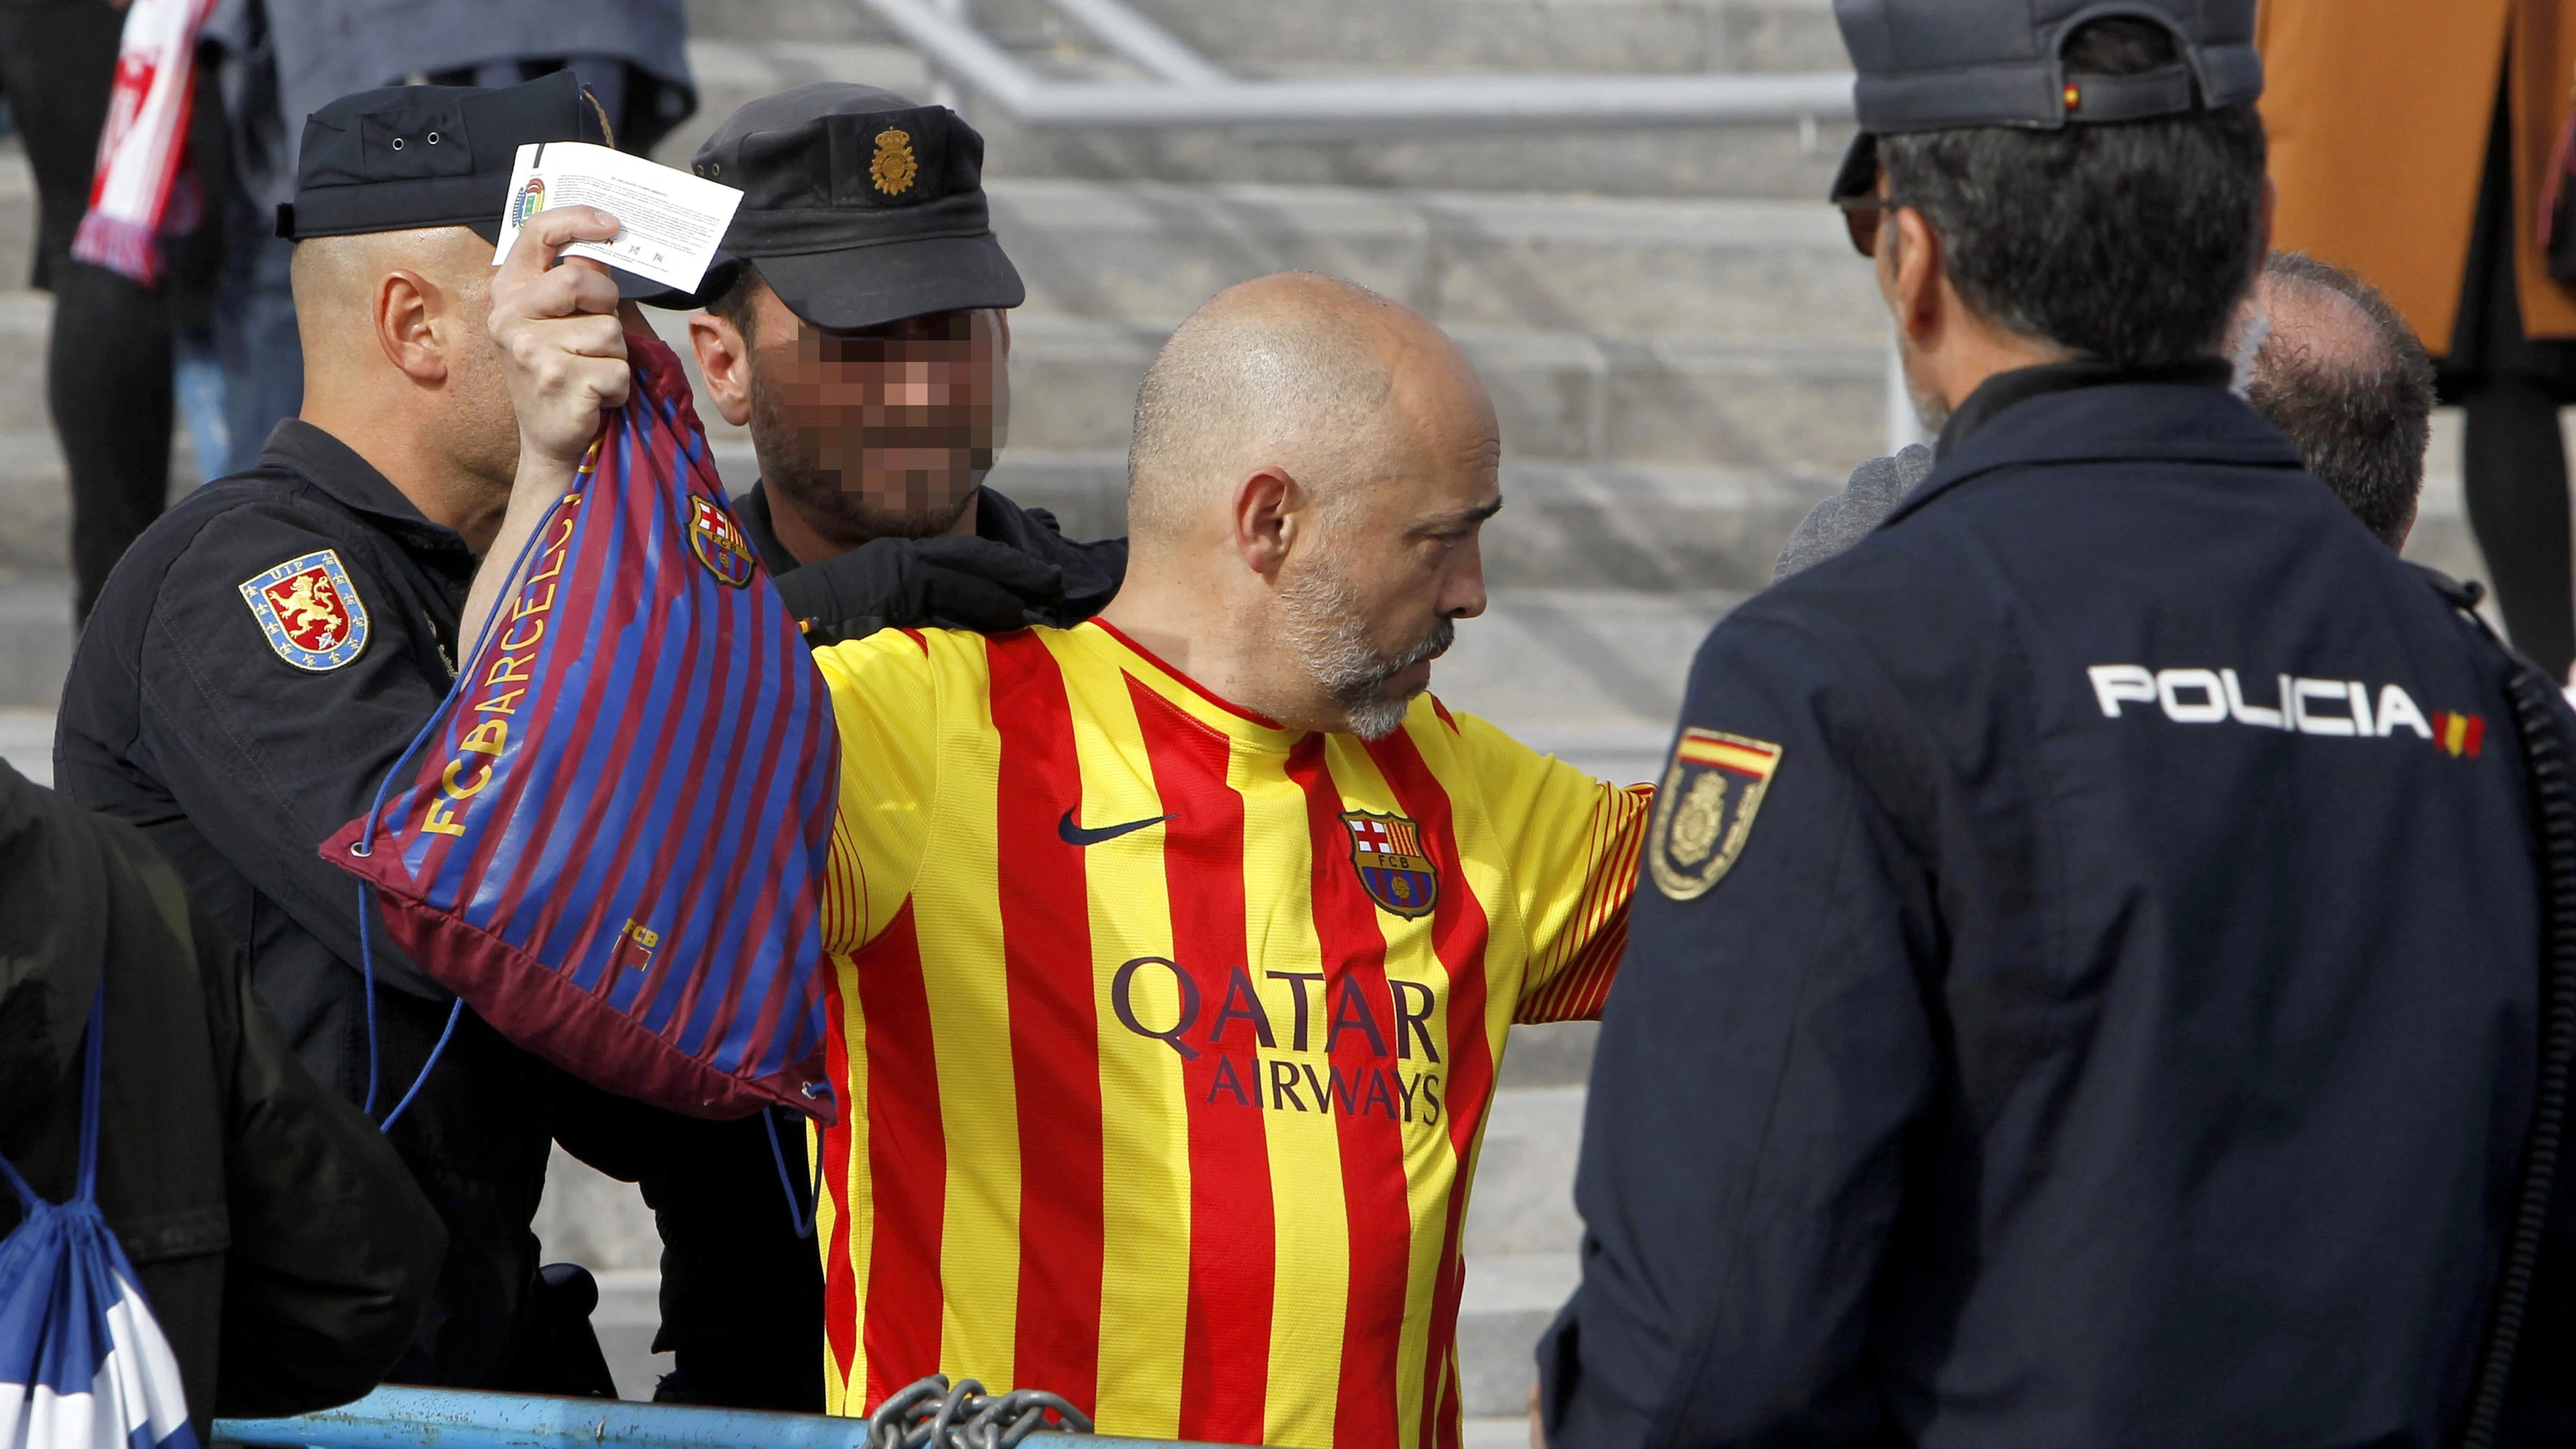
(1394, 869)
(719, 543)
(309, 610)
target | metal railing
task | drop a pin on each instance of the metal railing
(1192, 91)
(395, 1417)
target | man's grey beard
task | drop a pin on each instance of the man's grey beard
(1320, 618)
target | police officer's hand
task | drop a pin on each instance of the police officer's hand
(915, 583)
(558, 331)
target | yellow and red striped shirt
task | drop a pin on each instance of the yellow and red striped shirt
(1165, 1036)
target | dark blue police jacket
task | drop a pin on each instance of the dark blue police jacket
(2083, 989)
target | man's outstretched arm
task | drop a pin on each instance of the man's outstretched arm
(563, 348)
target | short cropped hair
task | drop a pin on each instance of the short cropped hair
(2130, 242)
(739, 302)
(2358, 404)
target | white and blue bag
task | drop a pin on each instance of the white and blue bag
(82, 1363)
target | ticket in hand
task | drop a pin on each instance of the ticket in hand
(670, 221)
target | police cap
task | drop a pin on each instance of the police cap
(417, 156)
(1938, 65)
(859, 207)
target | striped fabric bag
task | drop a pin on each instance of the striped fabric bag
(610, 839)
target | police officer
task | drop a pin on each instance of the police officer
(267, 650)
(2084, 986)
(857, 321)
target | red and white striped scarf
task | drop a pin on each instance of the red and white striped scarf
(131, 195)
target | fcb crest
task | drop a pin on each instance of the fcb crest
(1705, 809)
(309, 610)
(719, 543)
(1394, 868)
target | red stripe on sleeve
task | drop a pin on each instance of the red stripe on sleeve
(907, 1163)
(1055, 1030)
(1372, 1142)
(1225, 1340)
(1458, 936)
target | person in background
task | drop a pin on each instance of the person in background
(2343, 375)
(108, 365)
(2337, 369)
(283, 1249)
(2413, 145)
(281, 60)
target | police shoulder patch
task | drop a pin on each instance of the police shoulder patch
(309, 610)
(1705, 809)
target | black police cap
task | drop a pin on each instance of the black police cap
(859, 208)
(417, 156)
(1938, 65)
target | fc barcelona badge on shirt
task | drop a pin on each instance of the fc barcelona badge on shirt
(309, 610)
(1394, 868)
(1705, 809)
(720, 545)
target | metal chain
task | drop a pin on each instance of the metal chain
(930, 1414)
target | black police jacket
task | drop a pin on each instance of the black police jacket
(193, 711)
(2083, 988)
(282, 1247)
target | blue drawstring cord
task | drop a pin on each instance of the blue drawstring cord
(800, 1218)
(361, 848)
(395, 1115)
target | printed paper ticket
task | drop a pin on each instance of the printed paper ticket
(671, 221)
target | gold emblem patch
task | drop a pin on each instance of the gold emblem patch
(1705, 809)
(894, 167)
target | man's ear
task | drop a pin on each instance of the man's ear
(404, 306)
(1913, 252)
(724, 360)
(1263, 519)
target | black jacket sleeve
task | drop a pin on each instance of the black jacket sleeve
(268, 759)
(334, 1250)
(1761, 1057)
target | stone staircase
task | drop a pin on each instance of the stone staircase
(1683, 351)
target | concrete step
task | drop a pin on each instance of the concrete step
(35, 649)
(1363, 36)
(1690, 270)
(17, 212)
(1561, 396)
(1783, 161)
(1508, 1303)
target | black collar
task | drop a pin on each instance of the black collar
(751, 510)
(2024, 383)
(296, 446)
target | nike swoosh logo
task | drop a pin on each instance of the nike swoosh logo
(1072, 834)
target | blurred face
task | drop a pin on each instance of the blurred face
(1371, 597)
(884, 432)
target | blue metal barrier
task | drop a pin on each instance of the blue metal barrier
(395, 1417)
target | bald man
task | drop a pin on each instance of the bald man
(2343, 375)
(269, 647)
(1176, 951)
